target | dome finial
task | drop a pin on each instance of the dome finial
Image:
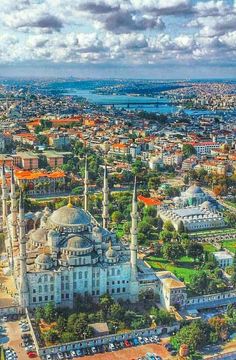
(70, 205)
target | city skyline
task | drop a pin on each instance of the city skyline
(115, 38)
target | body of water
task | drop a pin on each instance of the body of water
(164, 105)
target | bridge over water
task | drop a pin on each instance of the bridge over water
(132, 103)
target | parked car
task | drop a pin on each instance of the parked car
(73, 353)
(78, 352)
(48, 357)
(32, 354)
(141, 340)
(127, 343)
(111, 347)
(135, 342)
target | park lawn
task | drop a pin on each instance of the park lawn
(214, 231)
(184, 268)
(209, 248)
(230, 245)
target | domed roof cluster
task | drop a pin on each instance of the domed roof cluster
(70, 215)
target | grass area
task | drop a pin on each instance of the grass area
(119, 231)
(230, 245)
(209, 248)
(230, 203)
(216, 232)
(184, 268)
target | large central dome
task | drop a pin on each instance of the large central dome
(70, 215)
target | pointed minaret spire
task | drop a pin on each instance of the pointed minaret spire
(13, 207)
(23, 281)
(86, 184)
(134, 233)
(105, 203)
(4, 196)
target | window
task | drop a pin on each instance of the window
(80, 275)
(67, 296)
(86, 274)
(112, 291)
(40, 288)
(67, 286)
(123, 289)
(86, 284)
(46, 298)
(40, 298)
(74, 275)
(34, 291)
(52, 287)
(52, 297)
(118, 290)
(34, 299)
(45, 288)
(97, 292)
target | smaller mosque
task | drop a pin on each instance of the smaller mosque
(56, 255)
(194, 210)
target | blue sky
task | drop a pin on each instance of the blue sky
(118, 38)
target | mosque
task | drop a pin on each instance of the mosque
(57, 255)
(194, 210)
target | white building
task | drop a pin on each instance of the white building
(56, 255)
(171, 290)
(223, 258)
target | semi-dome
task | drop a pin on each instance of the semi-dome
(79, 243)
(70, 215)
(39, 235)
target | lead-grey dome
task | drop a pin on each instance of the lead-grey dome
(39, 235)
(70, 215)
(194, 190)
(79, 243)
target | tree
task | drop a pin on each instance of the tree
(116, 217)
(105, 301)
(165, 235)
(154, 182)
(172, 251)
(168, 226)
(39, 314)
(49, 312)
(199, 283)
(220, 327)
(196, 335)
(195, 250)
(162, 317)
(51, 336)
(61, 324)
(188, 150)
(117, 312)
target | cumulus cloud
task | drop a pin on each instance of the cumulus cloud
(118, 31)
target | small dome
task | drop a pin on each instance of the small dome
(110, 253)
(194, 190)
(207, 205)
(79, 243)
(70, 215)
(44, 261)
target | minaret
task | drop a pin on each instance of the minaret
(86, 185)
(4, 196)
(13, 207)
(134, 234)
(23, 283)
(105, 213)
